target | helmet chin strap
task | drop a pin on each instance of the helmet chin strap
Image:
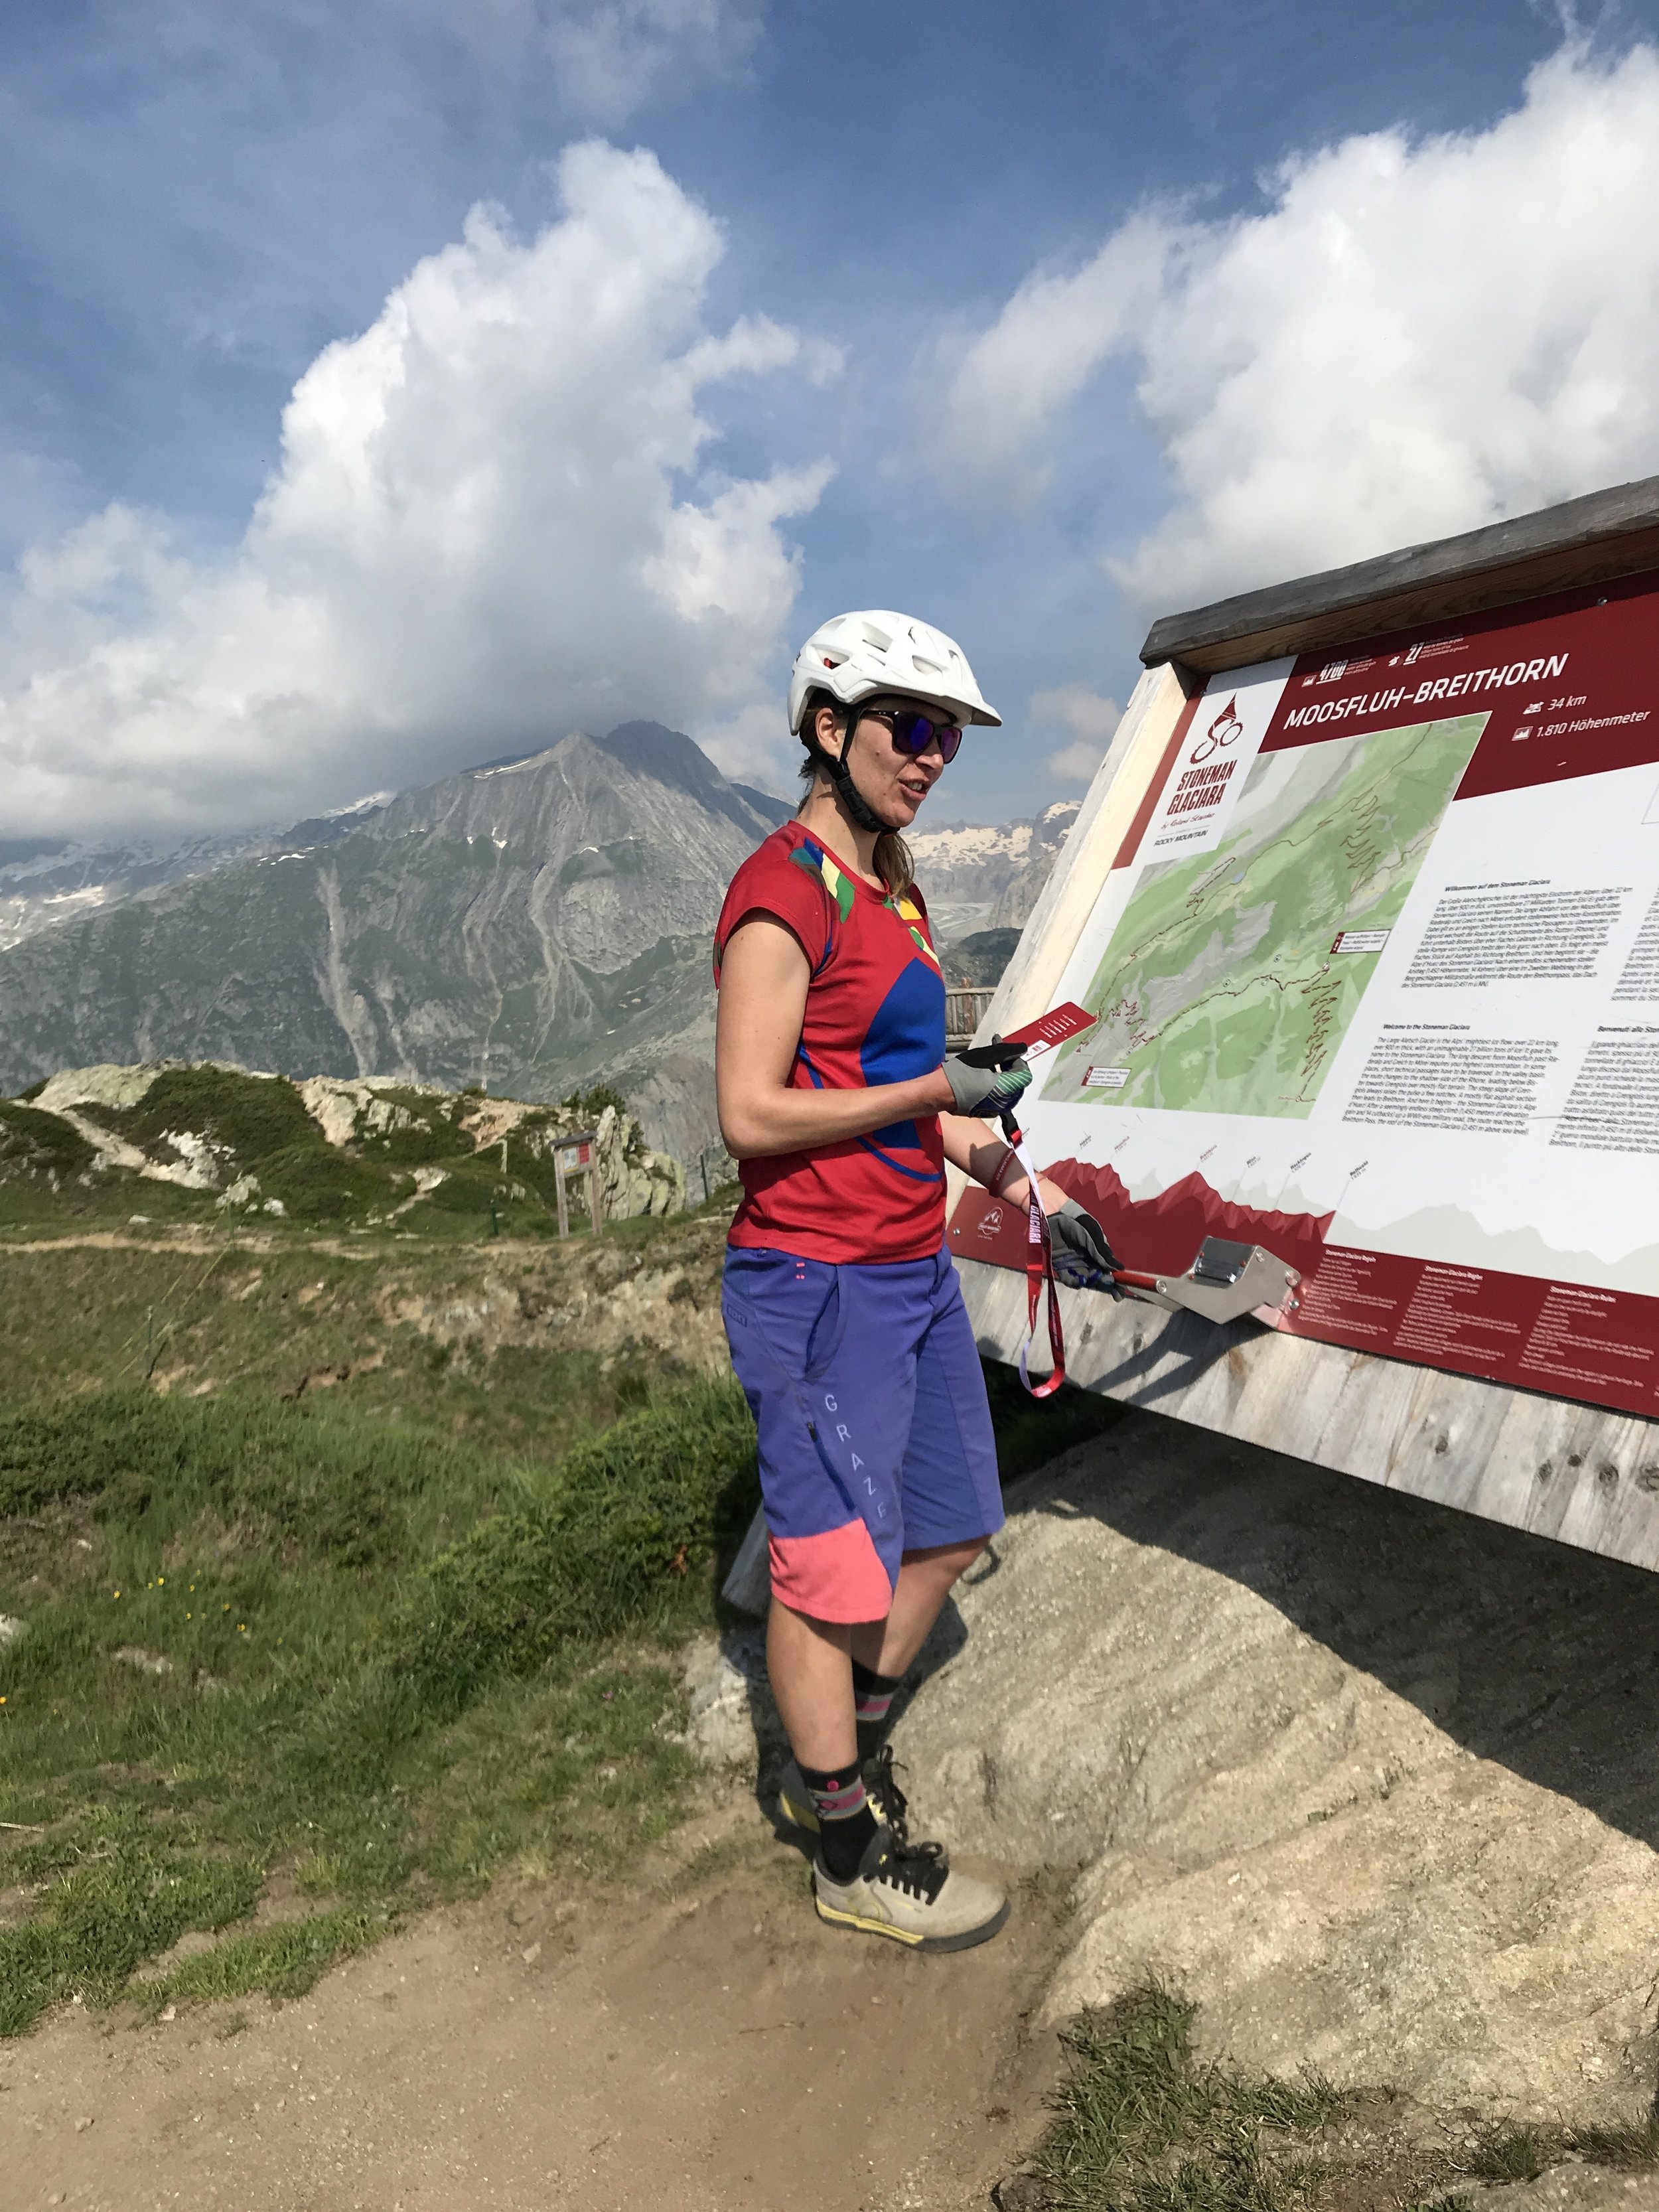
(834, 766)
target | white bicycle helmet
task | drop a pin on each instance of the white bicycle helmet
(853, 657)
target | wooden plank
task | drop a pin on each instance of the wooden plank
(560, 1192)
(1585, 1477)
(1581, 542)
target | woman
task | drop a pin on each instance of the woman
(843, 1309)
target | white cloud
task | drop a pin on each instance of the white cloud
(1415, 338)
(1091, 718)
(488, 526)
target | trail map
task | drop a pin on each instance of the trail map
(1375, 980)
(1220, 989)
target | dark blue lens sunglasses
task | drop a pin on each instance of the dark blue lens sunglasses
(913, 732)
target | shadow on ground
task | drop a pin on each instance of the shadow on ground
(1526, 1652)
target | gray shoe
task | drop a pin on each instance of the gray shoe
(887, 1801)
(908, 1892)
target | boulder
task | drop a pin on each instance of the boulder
(1372, 1781)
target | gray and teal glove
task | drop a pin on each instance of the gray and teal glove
(985, 1089)
(1082, 1259)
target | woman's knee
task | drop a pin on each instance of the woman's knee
(945, 1564)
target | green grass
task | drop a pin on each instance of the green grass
(1144, 2125)
(81, 1318)
(1506, 2153)
(392, 1662)
(417, 1565)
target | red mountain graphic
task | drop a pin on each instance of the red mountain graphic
(1153, 1236)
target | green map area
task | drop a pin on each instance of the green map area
(1219, 988)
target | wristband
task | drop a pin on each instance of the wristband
(1010, 1158)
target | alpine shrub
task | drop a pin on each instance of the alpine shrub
(624, 1522)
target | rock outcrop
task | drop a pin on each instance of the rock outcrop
(251, 1137)
(1373, 1782)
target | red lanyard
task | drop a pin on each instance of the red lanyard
(1039, 1272)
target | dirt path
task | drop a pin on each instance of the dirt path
(709, 2047)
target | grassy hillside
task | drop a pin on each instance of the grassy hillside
(199, 1143)
(347, 1563)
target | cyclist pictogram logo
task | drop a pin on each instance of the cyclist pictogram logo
(1226, 730)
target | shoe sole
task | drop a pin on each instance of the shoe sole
(856, 1922)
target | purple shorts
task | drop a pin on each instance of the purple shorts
(875, 1435)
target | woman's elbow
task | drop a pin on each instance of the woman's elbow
(742, 1130)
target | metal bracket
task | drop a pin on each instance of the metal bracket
(1225, 1282)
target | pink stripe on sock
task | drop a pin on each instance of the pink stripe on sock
(840, 1804)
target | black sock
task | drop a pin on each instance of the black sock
(846, 1823)
(872, 1694)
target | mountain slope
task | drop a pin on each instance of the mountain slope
(526, 926)
(45, 880)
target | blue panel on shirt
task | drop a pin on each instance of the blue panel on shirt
(905, 1040)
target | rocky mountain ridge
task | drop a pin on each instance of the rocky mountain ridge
(532, 926)
(45, 880)
(527, 927)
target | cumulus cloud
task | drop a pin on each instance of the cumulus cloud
(1415, 337)
(493, 521)
(1091, 719)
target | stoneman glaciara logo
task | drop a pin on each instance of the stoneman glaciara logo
(1204, 780)
(1226, 730)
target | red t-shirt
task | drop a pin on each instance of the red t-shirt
(875, 1014)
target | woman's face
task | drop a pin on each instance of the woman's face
(894, 782)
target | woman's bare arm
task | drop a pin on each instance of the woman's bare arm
(763, 999)
(977, 1148)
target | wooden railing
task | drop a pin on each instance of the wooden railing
(964, 1009)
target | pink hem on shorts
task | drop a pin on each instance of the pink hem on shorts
(835, 1576)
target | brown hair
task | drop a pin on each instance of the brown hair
(891, 858)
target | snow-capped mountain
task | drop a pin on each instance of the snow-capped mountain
(977, 876)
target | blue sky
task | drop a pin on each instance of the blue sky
(972, 423)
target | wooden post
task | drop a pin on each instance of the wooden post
(595, 1200)
(558, 1187)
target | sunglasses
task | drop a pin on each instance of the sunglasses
(913, 732)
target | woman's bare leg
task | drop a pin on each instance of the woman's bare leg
(925, 1580)
(810, 1666)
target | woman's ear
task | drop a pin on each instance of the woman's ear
(823, 726)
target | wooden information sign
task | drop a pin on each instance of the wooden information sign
(1364, 903)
